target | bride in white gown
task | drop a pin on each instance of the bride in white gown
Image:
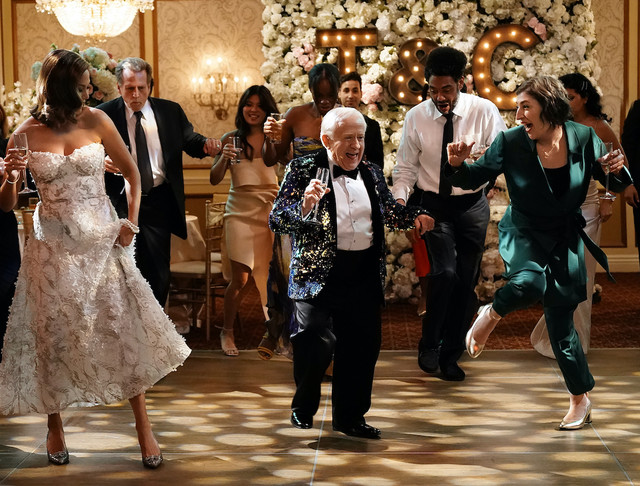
(84, 326)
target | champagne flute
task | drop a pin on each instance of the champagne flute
(322, 174)
(606, 169)
(279, 120)
(21, 144)
(237, 144)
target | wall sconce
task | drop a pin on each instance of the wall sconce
(481, 63)
(217, 88)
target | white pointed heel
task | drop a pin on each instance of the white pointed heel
(473, 347)
(577, 424)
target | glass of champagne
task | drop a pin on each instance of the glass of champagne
(605, 168)
(477, 151)
(237, 145)
(322, 174)
(279, 120)
(21, 144)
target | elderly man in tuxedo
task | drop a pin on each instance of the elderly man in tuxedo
(338, 269)
(156, 131)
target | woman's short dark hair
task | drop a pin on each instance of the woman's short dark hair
(324, 71)
(268, 105)
(445, 61)
(57, 96)
(549, 92)
(581, 85)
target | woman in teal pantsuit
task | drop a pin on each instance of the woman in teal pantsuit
(547, 162)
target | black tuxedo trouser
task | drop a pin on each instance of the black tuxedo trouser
(343, 321)
(455, 248)
(153, 243)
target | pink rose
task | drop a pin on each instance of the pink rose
(309, 65)
(297, 52)
(538, 27)
(371, 93)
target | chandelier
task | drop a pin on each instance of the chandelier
(217, 88)
(95, 19)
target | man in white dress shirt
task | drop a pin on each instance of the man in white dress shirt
(338, 270)
(456, 244)
(156, 131)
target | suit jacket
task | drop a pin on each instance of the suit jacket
(373, 149)
(315, 246)
(176, 135)
(631, 140)
(540, 232)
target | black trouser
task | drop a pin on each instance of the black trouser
(343, 321)
(455, 248)
(153, 243)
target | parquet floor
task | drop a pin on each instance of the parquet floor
(225, 421)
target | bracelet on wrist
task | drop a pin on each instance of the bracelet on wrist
(10, 181)
(135, 229)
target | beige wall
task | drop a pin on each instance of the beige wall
(179, 34)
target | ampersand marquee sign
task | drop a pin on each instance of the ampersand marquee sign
(406, 84)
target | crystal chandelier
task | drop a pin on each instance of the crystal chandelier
(95, 19)
(218, 89)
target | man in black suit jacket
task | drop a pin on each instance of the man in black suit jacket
(350, 94)
(164, 132)
(338, 270)
(631, 144)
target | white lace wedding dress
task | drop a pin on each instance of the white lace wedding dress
(84, 327)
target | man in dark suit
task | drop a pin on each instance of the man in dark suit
(157, 131)
(350, 95)
(631, 144)
(338, 270)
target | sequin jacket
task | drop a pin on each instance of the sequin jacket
(314, 247)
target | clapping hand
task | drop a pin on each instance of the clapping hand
(458, 152)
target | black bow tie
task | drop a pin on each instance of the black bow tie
(339, 171)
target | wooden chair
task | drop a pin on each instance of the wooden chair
(200, 282)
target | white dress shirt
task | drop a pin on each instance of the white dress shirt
(420, 150)
(353, 212)
(150, 127)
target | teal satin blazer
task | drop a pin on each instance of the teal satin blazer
(540, 232)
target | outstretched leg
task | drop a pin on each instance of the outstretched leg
(151, 455)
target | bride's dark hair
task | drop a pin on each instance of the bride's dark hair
(57, 96)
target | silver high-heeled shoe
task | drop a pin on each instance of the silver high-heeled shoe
(152, 462)
(59, 458)
(577, 424)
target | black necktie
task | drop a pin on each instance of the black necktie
(339, 171)
(447, 138)
(142, 153)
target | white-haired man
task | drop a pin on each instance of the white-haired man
(338, 270)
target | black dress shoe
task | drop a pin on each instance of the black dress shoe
(359, 430)
(452, 372)
(299, 421)
(428, 360)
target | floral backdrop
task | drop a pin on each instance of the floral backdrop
(566, 27)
